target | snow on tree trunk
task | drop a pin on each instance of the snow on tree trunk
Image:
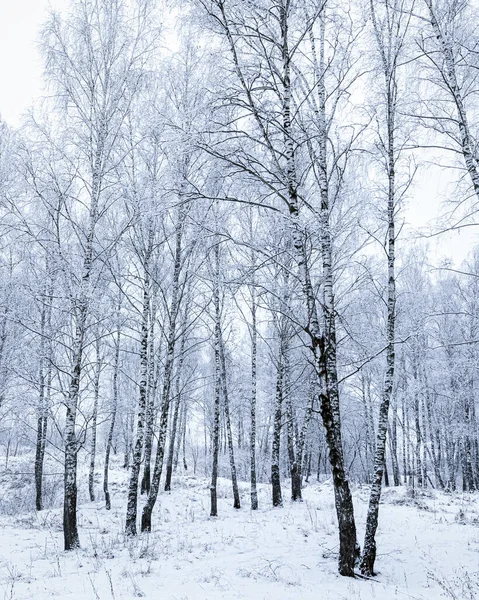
(80, 308)
(150, 406)
(293, 464)
(226, 408)
(324, 345)
(183, 446)
(301, 446)
(389, 30)
(278, 413)
(394, 444)
(418, 472)
(448, 73)
(431, 426)
(171, 445)
(217, 404)
(176, 412)
(132, 501)
(254, 346)
(389, 71)
(70, 530)
(114, 409)
(45, 384)
(96, 393)
(168, 372)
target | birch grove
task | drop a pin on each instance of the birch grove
(207, 269)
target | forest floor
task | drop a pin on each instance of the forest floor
(428, 548)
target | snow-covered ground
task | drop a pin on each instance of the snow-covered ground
(428, 547)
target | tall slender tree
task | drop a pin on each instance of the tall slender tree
(390, 21)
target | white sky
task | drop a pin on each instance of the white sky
(435, 186)
(20, 64)
(20, 84)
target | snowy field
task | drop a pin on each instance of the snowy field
(428, 548)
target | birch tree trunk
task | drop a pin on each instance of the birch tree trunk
(171, 446)
(301, 441)
(96, 393)
(3, 342)
(181, 445)
(217, 404)
(81, 309)
(254, 346)
(45, 383)
(389, 36)
(278, 414)
(324, 345)
(394, 444)
(95, 61)
(417, 423)
(448, 72)
(70, 530)
(450, 458)
(132, 502)
(176, 413)
(114, 408)
(293, 464)
(226, 408)
(435, 440)
(168, 372)
(369, 423)
(150, 406)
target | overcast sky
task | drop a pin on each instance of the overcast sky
(20, 84)
(19, 63)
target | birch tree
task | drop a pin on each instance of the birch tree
(447, 41)
(94, 59)
(45, 381)
(268, 151)
(390, 22)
